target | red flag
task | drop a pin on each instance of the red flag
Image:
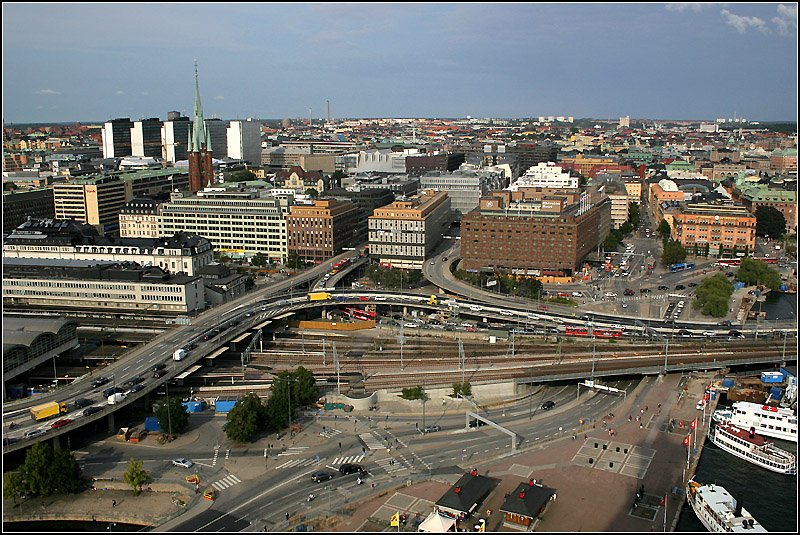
(694, 423)
(686, 440)
(680, 424)
(707, 396)
(663, 501)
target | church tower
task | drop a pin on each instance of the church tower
(201, 170)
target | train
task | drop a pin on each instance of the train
(596, 332)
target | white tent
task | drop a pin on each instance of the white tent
(436, 523)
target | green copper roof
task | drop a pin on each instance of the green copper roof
(199, 138)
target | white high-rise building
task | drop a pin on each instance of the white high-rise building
(244, 141)
(544, 175)
(175, 139)
(146, 138)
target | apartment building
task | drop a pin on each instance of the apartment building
(548, 235)
(545, 175)
(139, 219)
(240, 224)
(403, 233)
(717, 229)
(756, 195)
(20, 204)
(783, 161)
(68, 240)
(323, 229)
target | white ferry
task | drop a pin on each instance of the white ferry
(719, 511)
(753, 448)
(775, 422)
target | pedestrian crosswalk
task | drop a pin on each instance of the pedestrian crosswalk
(299, 463)
(226, 482)
(394, 464)
(372, 441)
(329, 432)
(294, 450)
(216, 454)
(349, 459)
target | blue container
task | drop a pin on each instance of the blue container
(713, 394)
(151, 424)
(776, 392)
(225, 405)
(194, 406)
(728, 383)
(771, 377)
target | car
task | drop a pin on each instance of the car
(431, 429)
(644, 291)
(411, 325)
(35, 433)
(350, 468)
(476, 423)
(433, 262)
(363, 298)
(91, 410)
(158, 367)
(322, 475)
(547, 405)
(735, 334)
(709, 333)
(692, 284)
(444, 259)
(112, 390)
(610, 294)
(680, 287)
(159, 373)
(628, 291)
(480, 325)
(60, 423)
(624, 305)
(99, 381)
(183, 463)
(81, 403)
(132, 381)
(135, 388)
(725, 323)
(662, 287)
(119, 397)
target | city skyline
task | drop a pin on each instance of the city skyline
(94, 62)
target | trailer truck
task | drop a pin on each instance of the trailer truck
(319, 296)
(48, 410)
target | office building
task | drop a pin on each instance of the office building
(94, 200)
(175, 135)
(420, 164)
(217, 130)
(20, 204)
(545, 175)
(116, 136)
(464, 187)
(404, 233)
(714, 229)
(244, 141)
(146, 138)
(323, 229)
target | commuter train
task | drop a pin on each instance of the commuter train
(597, 332)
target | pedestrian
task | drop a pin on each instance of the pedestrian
(340, 446)
(641, 425)
(659, 405)
(287, 516)
(573, 436)
(645, 408)
(585, 437)
(113, 503)
(630, 418)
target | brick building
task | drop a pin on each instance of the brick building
(321, 231)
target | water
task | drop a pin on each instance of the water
(779, 307)
(770, 497)
(66, 526)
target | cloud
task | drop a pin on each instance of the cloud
(681, 7)
(786, 19)
(219, 97)
(743, 23)
(46, 92)
(144, 93)
(120, 92)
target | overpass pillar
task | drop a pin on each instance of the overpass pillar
(111, 427)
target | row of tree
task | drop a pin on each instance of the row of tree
(393, 278)
(713, 295)
(503, 283)
(45, 472)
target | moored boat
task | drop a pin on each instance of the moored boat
(719, 511)
(766, 420)
(751, 447)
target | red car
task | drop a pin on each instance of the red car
(61, 423)
(363, 298)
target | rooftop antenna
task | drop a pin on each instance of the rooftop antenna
(310, 120)
(329, 110)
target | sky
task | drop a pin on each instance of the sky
(65, 62)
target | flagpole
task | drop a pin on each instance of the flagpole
(665, 512)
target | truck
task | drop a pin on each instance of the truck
(433, 300)
(179, 354)
(319, 296)
(48, 410)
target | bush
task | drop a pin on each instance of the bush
(415, 392)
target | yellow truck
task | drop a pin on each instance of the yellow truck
(47, 410)
(319, 296)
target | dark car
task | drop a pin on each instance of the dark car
(158, 367)
(680, 287)
(431, 429)
(644, 291)
(320, 476)
(132, 381)
(725, 323)
(663, 288)
(547, 405)
(692, 284)
(100, 381)
(628, 291)
(135, 388)
(91, 410)
(476, 423)
(113, 390)
(350, 468)
(159, 373)
(82, 402)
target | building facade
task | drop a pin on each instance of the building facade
(175, 135)
(139, 219)
(403, 233)
(96, 201)
(443, 162)
(244, 141)
(464, 187)
(19, 205)
(146, 138)
(545, 175)
(116, 135)
(714, 229)
(322, 230)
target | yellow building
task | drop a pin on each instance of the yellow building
(96, 201)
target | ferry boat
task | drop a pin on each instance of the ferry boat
(753, 448)
(719, 511)
(775, 422)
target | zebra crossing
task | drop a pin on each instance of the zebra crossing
(349, 459)
(393, 465)
(299, 463)
(216, 454)
(329, 432)
(294, 450)
(372, 441)
(226, 482)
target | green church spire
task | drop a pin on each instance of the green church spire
(198, 132)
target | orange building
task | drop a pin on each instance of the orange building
(715, 229)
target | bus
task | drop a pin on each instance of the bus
(730, 262)
(598, 332)
(674, 268)
(358, 314)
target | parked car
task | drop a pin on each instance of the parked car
(322, 475)
(350, 468)
(692, 284)
(431, 429)
(644, 291)
(680, 287)
(183, 463)
(547, 405)
(663, 288)
(628, 291)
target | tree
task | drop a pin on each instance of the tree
(462, 389)
(713, 296)
(336, 178)
(755, 272)
(259, 260)
(312, 192)
(246, 420)
(415, 392)
(294, 261)
(665, 230)
(172, 415)
(304, 389)
(136, 476)
(37, 469)
(673, 253)
(241, 176)
(770, 222)
(634, 216)
(14, 485)
(249, 282)
(67, 477)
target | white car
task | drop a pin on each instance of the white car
(183, 463)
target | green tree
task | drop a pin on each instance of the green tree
(249, 282)
(294, 261)
(634, 216)
(626, 228)
(312, 192)
(462, 389)
(665, 230)
(38, 469)
(770, 222)
(172, 415)
(713, 295)
(136, 476)
(415, 392)
(240, 176)
(246, 420)
(67, 477)
(754, 272)
(14, 485)
(259, 260)
(336, 179)
(304, 389)
(673, 253)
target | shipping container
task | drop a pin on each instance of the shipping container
(224, 405)
(775, 393)
(728, 383)
(771, 377)
(194, 406)
(151, 424)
